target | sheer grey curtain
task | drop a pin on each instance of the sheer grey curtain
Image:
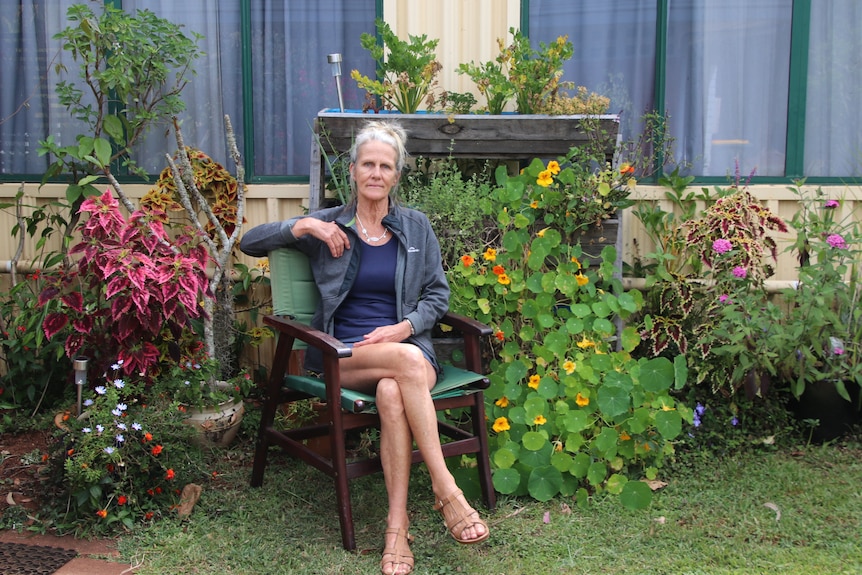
(292, 79)
(614, 45)
(727, 84)
(833, 141)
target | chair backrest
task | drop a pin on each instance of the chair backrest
(294, 292)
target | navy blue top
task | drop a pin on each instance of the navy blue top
(371, 301)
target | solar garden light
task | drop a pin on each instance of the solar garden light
(80, 366)
(335, 64)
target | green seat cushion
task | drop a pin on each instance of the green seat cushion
(454, 382)
(294, 292)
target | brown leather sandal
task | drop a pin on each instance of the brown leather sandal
(459, 516)
(399, 554)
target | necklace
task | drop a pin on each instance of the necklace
(368, 238)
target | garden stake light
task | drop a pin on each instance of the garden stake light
(80, 366)
(335, 64)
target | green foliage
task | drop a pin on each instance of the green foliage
(196, 383)
(133, 68)
(572, 410)
(406, 70)
(450, 201)
(122, 462)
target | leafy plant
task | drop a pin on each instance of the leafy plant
(122, 462)
(823, 324)
(406, 70)
(195, 382)
(131, 294)
(573, 412)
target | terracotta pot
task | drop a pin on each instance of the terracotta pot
(217, 425)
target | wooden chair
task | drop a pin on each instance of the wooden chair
(295, 298)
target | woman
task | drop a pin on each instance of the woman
(380, 275)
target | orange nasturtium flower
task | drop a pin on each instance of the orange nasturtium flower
(554, 167)
(467, 260)
(546, 178)
(500, 335)
(534, 204)
(625, 436)
(502, 402)
(569, 367)
(540, 420)
(498, 270)
(501, 424)
(503, 279)
(534, 381)
(490, 255)
(582, 280)
(627, 169)
(581, 400)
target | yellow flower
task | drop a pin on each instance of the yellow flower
(569, 366)
(554, 167)
(503, 279)
(490, 255)
(581, 400)
(545, 178)
(625, 436)
(586, 343)
(502, 402)
(501, 424)
(534, 381)
(541, 233)
(582, 280)
(576, 262)
(540, 420)
(263, 264)
(534, 204)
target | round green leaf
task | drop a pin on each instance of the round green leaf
(580, 465)
(596, 473)
(630, 338)
(504, 458)
(668, 423)
(613, 400)
(616, 482)
(534, 441)
(544, 483)
(506, 481)
(604, 326)
(601, 309)
(656, 374)
(636, 495)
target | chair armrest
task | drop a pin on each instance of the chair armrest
(317, 339)
(466, 325)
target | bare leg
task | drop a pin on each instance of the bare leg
(409, 400)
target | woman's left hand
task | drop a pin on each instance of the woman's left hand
(386, 333)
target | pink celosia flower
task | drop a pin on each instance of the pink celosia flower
(722, 245)
(724, 298)
(831, 204)
(836, 241)
(740, 272)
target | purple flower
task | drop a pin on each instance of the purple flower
(700, 409)
(109, 450)
(836, 241)
(722, 245)
(838, 351)
(101, 390)
(119, 437)
(740, 272)
(734, 422)
(724, 298)
(831, 204)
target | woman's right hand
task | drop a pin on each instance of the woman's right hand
(329, 233)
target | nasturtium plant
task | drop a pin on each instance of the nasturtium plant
(572, 412)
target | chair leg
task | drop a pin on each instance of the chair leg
(482, 458)
(270, 406)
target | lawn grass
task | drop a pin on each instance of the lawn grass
(782, 511)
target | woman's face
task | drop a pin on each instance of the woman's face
(375, 171)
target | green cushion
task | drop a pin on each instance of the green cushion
(455, 382)
(294, 292)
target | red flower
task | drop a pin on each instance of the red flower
(148, 515)
(169, 475)
(121, 500)
(498, 270)
(156, 450)
(466, 260)
(110, 467)
(102, 513)
(500, 335)
(148, 437)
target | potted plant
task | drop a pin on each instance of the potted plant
(213, 406)
(823, 321)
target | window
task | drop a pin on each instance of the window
(271, 103)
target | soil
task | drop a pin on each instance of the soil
(21, 464)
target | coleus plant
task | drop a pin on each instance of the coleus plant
(132, 292)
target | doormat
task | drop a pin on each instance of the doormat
(21, 559)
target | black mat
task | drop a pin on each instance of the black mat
(21, 559)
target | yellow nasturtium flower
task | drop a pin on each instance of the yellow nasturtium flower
(502, 402)
(569, 367)
(581, 400)
(490, 255)
(534, 204)
(534, 381)
(554, 167)
(501, 424)
(585, 343)
(546, 178)
(540, 420)
(576, 262)
(503, 279)
(582, 280)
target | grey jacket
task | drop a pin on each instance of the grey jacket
(422, 292)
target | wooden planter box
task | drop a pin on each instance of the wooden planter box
(506, 136)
